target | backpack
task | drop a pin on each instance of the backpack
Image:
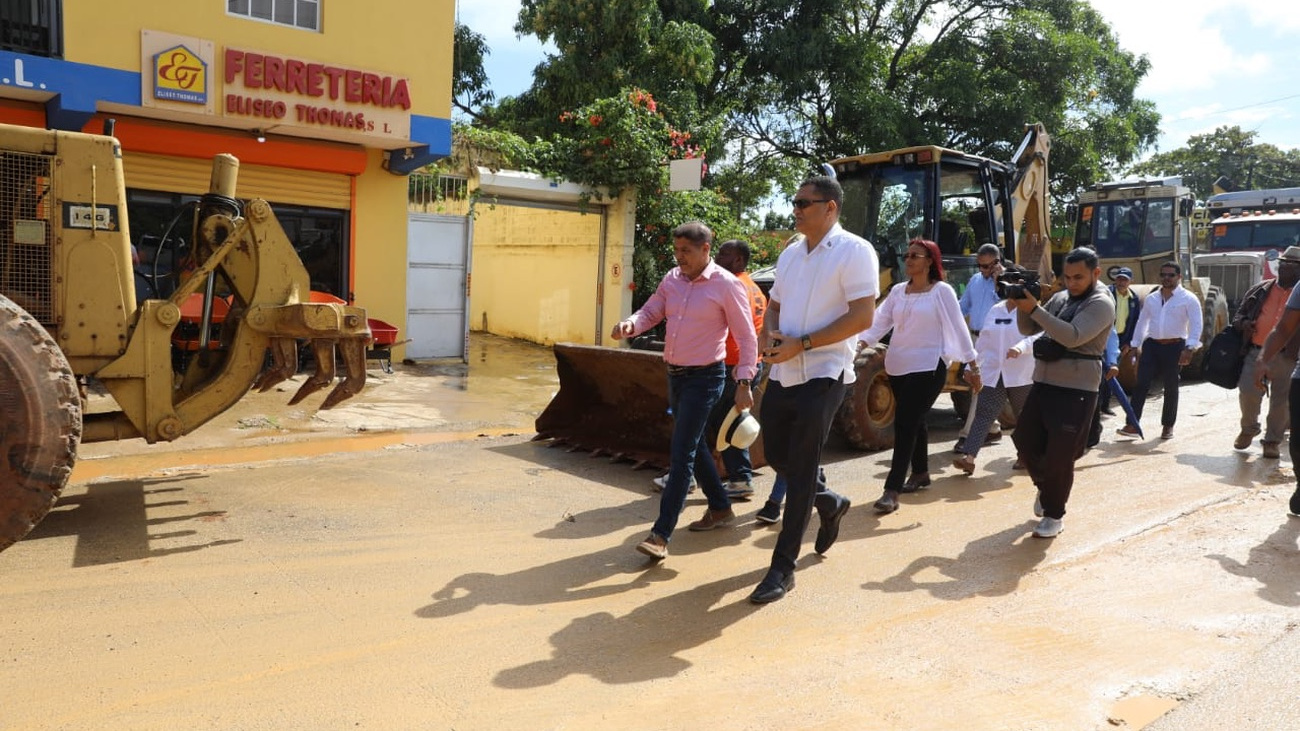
(1225, 358)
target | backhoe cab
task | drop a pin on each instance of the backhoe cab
(959, 201)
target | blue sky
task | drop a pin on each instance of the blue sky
(1226, 62)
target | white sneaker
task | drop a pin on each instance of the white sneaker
(1038, 504)
(662, 481)
(1049, 528)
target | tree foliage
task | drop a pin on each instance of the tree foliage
(798, 83)
(470, 91)
(770, 88)
(1227, 152)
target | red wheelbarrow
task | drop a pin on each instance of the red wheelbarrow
(383, 335)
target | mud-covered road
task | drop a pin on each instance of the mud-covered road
(283, 572)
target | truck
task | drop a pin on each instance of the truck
(70, 319)
(1142, 223)
(612, 401)
(1245, 231)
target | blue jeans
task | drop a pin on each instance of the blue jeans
(691, 398)
(779, 487)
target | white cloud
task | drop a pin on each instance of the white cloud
(1213, 63)
(493, 19)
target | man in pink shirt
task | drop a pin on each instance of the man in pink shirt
(701, 303)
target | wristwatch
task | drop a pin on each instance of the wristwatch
(807, 342)
(742, 381)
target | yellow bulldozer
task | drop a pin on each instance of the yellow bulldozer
(613, 401)
(69, 315)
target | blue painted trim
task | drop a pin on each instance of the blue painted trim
(431, 130)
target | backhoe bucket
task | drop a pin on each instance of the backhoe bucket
(614, 401)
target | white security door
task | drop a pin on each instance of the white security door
(437, 298)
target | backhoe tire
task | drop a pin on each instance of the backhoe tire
(40, 422)
(1214, 316)
(866, 417)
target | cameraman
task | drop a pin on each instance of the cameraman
(1053, 427)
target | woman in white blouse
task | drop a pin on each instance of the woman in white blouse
(929, 333)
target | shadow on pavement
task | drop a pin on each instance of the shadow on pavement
(571, 579)
(1272, 564)
(641, 645)
(988, 566)
(111, 523)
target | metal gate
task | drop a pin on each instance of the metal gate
(437, 286)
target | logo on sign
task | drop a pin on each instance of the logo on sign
(179, 75)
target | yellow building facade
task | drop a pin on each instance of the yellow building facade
(328, 104)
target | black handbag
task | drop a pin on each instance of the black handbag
(1225, 358)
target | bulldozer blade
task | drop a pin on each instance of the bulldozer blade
(323, 350)
(614, 400)
(354, 379)
(284, 363)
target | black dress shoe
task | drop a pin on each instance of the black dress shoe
(887, 503)
(916, 482)
(774, 586)
(830, 528)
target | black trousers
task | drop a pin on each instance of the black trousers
(796, 422)
(1051, 433)
(1159, 360)
(914, 395)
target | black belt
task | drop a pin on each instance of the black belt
(676, 370)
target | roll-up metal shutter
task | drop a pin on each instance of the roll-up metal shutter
(277, 185)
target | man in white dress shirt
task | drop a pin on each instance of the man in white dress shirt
(1167, 333)
(825, 294)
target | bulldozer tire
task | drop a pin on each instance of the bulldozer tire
(1214, 316)
(866, 417)
(41, 427)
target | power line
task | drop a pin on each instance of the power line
(1256, 104)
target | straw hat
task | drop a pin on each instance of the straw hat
(738, 430)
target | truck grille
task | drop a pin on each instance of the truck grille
(27, 233)
(1233, 279)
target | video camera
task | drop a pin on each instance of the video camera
(1013, 284)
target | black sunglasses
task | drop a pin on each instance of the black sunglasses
(802, 203)
(1168, 275)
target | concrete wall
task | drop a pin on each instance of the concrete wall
(540, 270)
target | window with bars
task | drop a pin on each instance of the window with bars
(297, 13)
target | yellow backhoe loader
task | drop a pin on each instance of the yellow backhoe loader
(614, 401)
(69, 315)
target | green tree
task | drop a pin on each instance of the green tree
(470, 91)
(1227, 152)
(786, 85)
(828, 78)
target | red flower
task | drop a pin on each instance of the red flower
(594, 120)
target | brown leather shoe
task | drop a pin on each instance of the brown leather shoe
(1128, 430)
(655, 547)
(713, 519)
(965, 463)
(1271, 451)
(1244, 439)
(1167, 432)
